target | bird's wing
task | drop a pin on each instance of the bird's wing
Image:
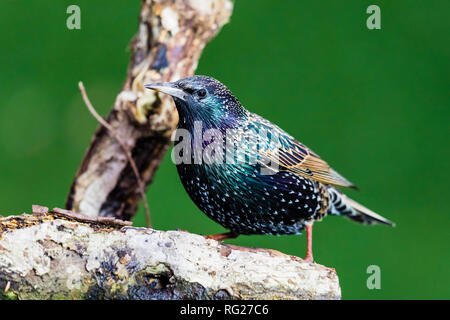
(297, 158)
(290, 155)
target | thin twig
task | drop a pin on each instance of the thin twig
(8, 285)
(113, 133)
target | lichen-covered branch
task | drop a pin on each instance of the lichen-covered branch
(61, 255)
(170, 39)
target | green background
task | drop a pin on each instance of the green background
(374, 103)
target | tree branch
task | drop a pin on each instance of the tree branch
(63, 255)
(112, 132)
(167, 46)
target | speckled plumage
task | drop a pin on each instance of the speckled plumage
(236, 194)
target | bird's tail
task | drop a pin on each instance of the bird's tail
(343, 205)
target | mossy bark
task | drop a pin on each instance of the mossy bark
(59, 255)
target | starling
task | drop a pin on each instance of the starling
(258, 179)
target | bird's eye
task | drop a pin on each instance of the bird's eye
(201, 93)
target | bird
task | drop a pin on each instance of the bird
(273, 184)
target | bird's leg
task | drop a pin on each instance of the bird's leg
(232, 235)
(223, 236)
(309, 253)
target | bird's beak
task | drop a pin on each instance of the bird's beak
(168, 88)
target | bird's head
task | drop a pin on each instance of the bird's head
(201, 98)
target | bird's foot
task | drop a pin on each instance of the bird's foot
(309, 258)
(222, 236)
(271, 252)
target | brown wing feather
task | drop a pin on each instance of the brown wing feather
(300, 160)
